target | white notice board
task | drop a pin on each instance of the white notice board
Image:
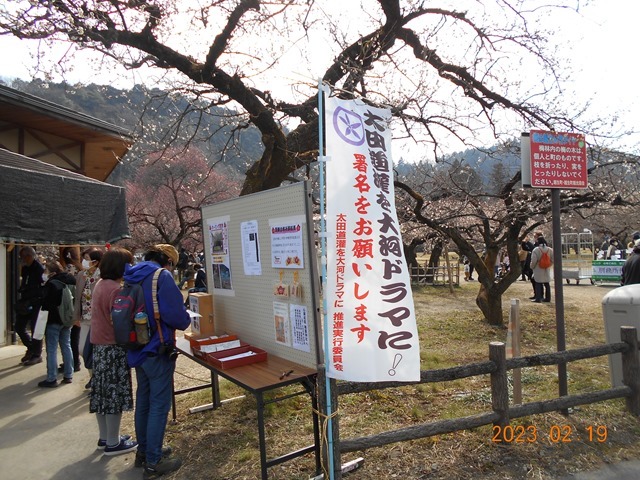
(275, 308)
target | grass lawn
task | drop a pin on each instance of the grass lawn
(223, 444)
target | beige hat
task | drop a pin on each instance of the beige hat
(169, 250)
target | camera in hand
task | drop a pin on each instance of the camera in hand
(168, 349)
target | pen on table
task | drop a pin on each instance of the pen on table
(285, 374)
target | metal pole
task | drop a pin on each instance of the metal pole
(558, 290)
(323, 244)
(14, 268)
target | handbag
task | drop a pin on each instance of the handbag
(41, 325)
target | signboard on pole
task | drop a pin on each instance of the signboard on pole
(558, 160)
(370, 311)
(607, 270)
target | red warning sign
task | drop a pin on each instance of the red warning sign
(558, 160)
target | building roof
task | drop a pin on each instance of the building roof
(28, 164)
(104, 142)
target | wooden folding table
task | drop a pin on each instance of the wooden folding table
(258, 378)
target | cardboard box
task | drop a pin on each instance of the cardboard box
(202, 323)
(221, 359)
(192, 337)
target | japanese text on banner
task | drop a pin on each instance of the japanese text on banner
(370, 312)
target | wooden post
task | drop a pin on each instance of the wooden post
(514, 315)
(499, 383)
(324, 440)
(448, 264)
(631, 368)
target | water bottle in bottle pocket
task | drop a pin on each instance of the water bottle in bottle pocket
(142, 328)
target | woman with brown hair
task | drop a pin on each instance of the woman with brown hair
(111, 392)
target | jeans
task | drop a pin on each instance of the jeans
(56, 334)
(153, 401)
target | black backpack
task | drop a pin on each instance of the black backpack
(128, 302)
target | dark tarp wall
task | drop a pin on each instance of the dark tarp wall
(44, 204)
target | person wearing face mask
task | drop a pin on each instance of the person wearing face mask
(85, 281)
(28, 305)
(57, 334)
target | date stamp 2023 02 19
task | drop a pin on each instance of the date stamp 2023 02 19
(553, 434)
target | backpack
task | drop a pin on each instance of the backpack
(545, 259)
(66, 307)
(62, 300)
(128, 302)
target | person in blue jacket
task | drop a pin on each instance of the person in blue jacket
(155, 362)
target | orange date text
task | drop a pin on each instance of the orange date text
(552, 434)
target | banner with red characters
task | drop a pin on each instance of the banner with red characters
(370, 312)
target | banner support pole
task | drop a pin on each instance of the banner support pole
(323, 262)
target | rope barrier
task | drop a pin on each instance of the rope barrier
(324, 439)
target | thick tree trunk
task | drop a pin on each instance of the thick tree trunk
(282, 155)
(489, 301)
(410, 254)
(434, 260)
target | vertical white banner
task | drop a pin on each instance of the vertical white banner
(370, 313)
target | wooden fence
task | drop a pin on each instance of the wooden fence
(501, 413)
(438, 275)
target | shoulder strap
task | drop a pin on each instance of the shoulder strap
(154, 296)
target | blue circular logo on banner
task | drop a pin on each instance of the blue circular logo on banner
(348, 126)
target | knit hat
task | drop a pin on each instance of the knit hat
(169, 250)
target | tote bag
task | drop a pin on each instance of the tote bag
(41, 324)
